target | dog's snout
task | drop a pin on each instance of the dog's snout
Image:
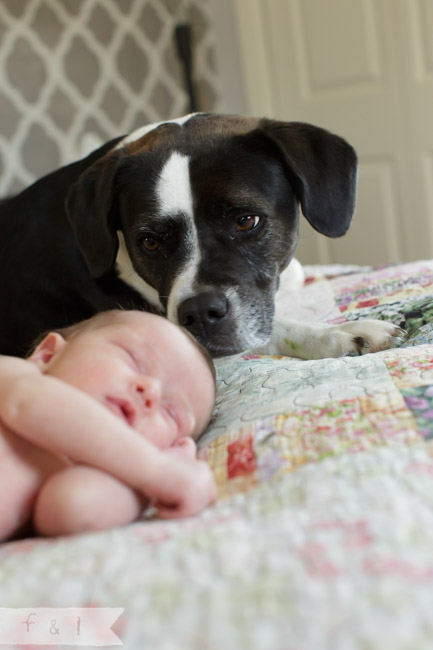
(202, 310)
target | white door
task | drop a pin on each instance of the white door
(363, 69)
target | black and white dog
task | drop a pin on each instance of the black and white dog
(197, 219)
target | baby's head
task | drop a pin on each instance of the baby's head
(146, 370)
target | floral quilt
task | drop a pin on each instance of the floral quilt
(322, 536)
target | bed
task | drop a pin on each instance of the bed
(322, 535)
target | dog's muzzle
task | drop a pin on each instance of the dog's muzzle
(224, 324)
(203, 313)
(206, 316)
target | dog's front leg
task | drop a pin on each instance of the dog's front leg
(319, 341)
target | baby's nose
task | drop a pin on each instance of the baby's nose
(150, 391)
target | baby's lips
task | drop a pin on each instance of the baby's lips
(122, 408)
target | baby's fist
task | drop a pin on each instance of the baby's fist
(194, 489)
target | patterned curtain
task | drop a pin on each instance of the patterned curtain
(75, 73)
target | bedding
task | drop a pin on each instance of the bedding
(322, 535)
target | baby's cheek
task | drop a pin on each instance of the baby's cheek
(155, 430)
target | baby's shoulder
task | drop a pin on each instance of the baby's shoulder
(13, 367)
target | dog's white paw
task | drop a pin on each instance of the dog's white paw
(358, 337)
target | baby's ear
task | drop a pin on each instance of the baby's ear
(46, 349)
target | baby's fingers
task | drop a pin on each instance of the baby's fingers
(200, 492)
(170, 512)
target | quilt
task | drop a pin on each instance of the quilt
(322, 535)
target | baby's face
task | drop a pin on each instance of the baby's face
(146, 371)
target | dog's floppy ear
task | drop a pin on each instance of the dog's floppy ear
(322, 168)
(93, 214)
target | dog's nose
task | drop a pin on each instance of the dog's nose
(203, 310)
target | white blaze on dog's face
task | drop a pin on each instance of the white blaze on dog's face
(174, 196)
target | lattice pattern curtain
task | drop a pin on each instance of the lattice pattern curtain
(75, 73)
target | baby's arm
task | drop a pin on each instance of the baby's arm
(82, 499)
(65, 421)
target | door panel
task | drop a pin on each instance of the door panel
(363, 69)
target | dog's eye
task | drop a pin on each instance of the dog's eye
(248, 222)
(150, 244)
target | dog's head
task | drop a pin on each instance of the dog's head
(206, 212)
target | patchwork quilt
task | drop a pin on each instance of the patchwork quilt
(322, 535)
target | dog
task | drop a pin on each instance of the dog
(195, 218)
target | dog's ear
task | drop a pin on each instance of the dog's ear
(93, 213)
(322, 169)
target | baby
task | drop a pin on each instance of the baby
(99, 421)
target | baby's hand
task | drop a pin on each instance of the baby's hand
(187, 488)
(184, 447)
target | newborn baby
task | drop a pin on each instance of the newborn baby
(99, 421)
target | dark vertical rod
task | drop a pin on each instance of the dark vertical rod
(184, 50)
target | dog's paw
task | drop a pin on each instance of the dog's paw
(360, 337)
(320, 341)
